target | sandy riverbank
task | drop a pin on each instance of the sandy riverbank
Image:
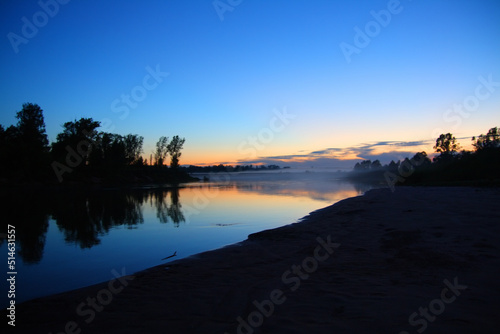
(367, 265)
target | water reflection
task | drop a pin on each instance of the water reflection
(167, 211)
(315, 185)
(84, 217)
(29, 215)
(174, 210)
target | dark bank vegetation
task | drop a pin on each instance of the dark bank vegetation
(82, 154)
(451, 165)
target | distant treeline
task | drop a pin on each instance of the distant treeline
(453, 166)
(229, 168)
(81, 154)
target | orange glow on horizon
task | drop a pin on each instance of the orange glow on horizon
(211, 158)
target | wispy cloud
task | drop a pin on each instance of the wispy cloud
(345, 158)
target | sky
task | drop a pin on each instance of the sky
(295, 83)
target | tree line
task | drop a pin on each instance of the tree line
(229, 168)
(80, 152)
(452, 164)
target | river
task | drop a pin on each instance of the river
(67, 239)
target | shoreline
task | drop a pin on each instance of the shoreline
(394, 253)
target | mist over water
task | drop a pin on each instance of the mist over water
(74, 238)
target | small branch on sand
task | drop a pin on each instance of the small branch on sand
(168, 257)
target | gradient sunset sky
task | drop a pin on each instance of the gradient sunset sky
(316, 82)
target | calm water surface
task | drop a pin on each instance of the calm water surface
(67, 240)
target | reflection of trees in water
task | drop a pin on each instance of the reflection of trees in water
(32, 238)
(28, 213)
(174, 211)
(117, 208)
(73, 220)
(85, 216)
(82, 216)
(164, 211)
(158, 198)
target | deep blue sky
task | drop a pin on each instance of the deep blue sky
(228, 78)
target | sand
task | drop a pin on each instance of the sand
(416, 260)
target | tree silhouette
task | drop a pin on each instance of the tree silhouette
(115, 156)
(363, 165)
(420, 159)
(481, 167)
(77, 138)
(446, 143)
(32, 127)
(133, 148)
(161, 150)
(109, 152)
(26, 144)
(488, 141)
(174, 149)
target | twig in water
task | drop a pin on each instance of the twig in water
(168, 257)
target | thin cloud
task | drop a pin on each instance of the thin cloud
(345, 158)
